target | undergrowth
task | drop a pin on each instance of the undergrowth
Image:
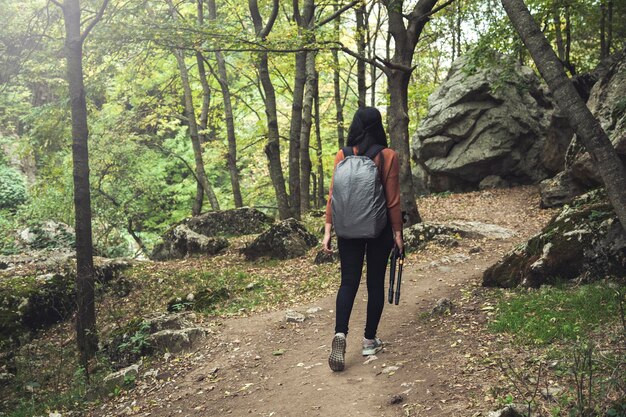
(577, 336)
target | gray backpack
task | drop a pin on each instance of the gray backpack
(358, 203)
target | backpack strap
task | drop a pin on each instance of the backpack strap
(373, 151)
(347, 151)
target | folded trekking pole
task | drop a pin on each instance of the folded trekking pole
(401, 263)
(392, 272)
(397, 262)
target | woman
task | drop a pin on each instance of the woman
(366, 130)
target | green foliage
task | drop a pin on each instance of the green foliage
(555, 313)
(137, 343)
(12, 188)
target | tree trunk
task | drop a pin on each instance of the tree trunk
(568, 41)
(272, 148)
(231, 158)
(193, 131)
(360, 42)
(398, 116)
(337, 86)
(398, 73)
(295, 132)
(198, 200)
(86, 335)
(586, 126)
(206, 90)
(305, 137)
(558, 34)
(609, 27)
(321, 194)
(603, 49)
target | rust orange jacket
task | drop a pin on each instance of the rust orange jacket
(390, 172)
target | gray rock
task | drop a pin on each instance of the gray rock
(492, 181)
(491, 121)
(181, 241)
(47, 235)
(421, 233)
(284, 240)
(6, 378)
(121, 378)
(446, 241)
(235, 222)
(314, 310)
(607, 103)
(584, 241)
(294, 317)
(559, 190)
(511, 410)
(443, 306)
(174, 341)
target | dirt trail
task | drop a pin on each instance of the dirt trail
(263, 366)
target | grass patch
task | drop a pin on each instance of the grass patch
(557, 313)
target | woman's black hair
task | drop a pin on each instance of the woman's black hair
(366, 129)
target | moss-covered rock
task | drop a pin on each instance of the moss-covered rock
(181, 241)
(30, 302)
(236, 222)
(285, 240)
(584, 241)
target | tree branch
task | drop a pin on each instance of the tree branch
(95, 20)
(337, 13)
(373, 62)
(56, 3)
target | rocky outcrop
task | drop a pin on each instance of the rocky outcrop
(584, 241)
(493, 121)
(181, 241)
(285, 240)
(607, 102)
(236, 222)
(34, 296)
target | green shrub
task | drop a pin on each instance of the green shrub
(12, 188)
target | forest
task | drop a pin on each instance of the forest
(165, 167)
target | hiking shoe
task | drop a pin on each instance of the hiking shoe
(372, 346)
(337, 361)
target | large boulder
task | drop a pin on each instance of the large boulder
(584, 241)
(46, 235)
(180, 241)
(285, 240)
(607, 102)
(236, 222)
(498, 120)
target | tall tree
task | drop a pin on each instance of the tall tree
(337, 86)
(307, 110)
(222, 78)
(361, 29)
(86, 335)
(192, 123)
(302, 20)
(580, 118)
(398, 71)
(272, 148)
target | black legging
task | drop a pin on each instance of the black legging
(351, 254)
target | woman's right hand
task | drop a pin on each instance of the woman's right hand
(327, 237)
(398, 241)
(326, 243)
